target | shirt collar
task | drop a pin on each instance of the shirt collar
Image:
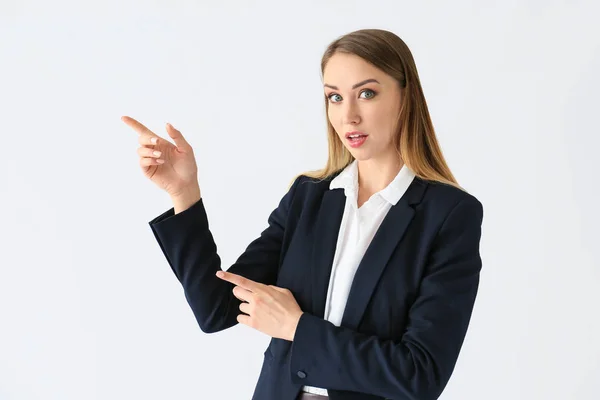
(348, 180)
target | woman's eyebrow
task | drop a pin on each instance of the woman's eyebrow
(355, 86)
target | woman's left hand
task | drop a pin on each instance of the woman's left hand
(270, 309)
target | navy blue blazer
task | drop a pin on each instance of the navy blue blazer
(409, 305)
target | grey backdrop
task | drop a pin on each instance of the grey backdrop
(89, 308)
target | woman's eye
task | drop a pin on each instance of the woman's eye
(371, 93)
(331, 96)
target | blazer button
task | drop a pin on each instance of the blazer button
(301, 374)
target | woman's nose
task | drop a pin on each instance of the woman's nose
(351, 115)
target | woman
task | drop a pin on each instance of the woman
(366, 275)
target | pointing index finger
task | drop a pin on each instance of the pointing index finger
(239, 281)
(137, 126)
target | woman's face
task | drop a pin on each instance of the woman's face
(363, 101)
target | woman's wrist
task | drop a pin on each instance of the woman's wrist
(187, 198)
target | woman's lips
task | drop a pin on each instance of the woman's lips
(355, 133)
(356, 141)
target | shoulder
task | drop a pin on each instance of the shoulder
(443, 194)
(443, 201)
(304, 185)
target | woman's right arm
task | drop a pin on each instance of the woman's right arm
(189, 247)
(184, 236)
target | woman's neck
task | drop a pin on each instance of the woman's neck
(375, 175)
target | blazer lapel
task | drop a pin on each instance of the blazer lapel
(379, 252)
(326, 232)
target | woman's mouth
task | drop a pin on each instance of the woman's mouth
(356, 139)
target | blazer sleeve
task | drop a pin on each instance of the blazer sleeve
(188, 245)
(417, 366)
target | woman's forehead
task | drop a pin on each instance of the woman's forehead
(350, 77)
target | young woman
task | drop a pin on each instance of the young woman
(366, 275)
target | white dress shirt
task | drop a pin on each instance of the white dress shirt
(357, 229)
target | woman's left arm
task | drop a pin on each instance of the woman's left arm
(419, 365)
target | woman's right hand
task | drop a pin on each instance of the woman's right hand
(177, 174)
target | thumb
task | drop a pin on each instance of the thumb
(177, 137)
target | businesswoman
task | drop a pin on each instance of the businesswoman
(366, 275)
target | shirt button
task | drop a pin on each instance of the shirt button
(301, 374)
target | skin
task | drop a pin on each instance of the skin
(361, 98)
(269, 309)
(371, 108)
(172, 167)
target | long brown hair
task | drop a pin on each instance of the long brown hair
(415, 140)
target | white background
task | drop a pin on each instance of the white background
(89, 308)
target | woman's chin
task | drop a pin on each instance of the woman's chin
(360, 154)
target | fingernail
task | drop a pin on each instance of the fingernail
(157, 153)
(220, 274)
(153, 140)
